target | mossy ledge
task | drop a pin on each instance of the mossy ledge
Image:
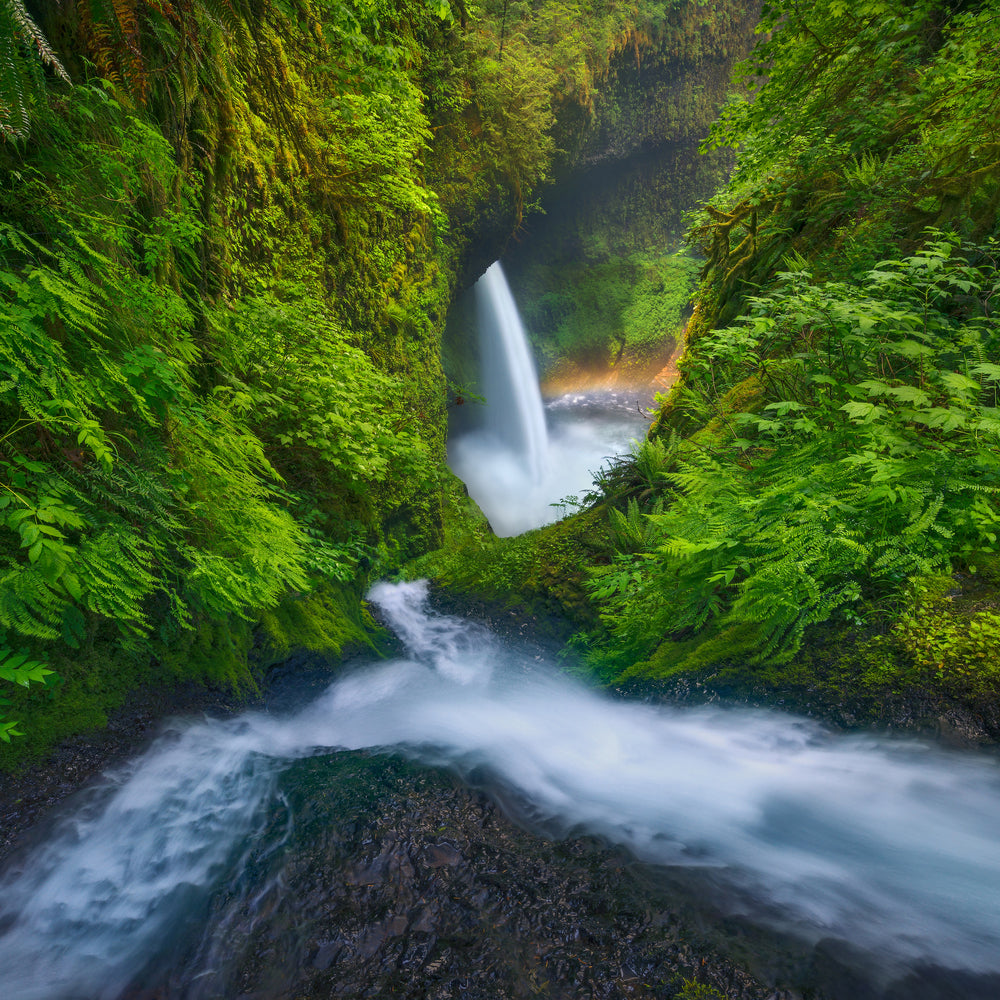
(222, 662)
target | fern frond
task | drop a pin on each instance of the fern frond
(114, 570)
(21, 42)
(29, 605)
(31, 35)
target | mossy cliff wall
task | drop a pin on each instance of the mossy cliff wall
(230, 234)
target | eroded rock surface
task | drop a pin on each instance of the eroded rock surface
(375, 878)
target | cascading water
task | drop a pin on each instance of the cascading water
(514, 412)
(514, 468)
(888, 845)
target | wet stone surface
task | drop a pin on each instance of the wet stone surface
(374, 878)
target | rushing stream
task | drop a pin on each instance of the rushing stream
(887, 845)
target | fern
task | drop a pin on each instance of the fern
(29, 604)
(114, 570)
(633, 530)
(830, 496)
(21, 43)
(18, 668)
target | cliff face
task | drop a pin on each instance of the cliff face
(593, 267)
(228, 249)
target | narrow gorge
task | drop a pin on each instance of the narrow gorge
(499, 501)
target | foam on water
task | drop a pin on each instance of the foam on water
(889, 845)
(516, 464)
(576, 449)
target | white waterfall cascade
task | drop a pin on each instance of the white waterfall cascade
(513, 467)
(514, 412)
(887, 844)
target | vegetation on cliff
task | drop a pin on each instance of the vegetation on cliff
(230, 234)
(814, 515)
(599, 281)
(834, 438)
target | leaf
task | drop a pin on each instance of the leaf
(861, 411)
(72, 585)
(909, 394)
(17, 668)
(989, 371)
(960, 384)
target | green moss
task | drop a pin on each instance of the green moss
(692, 990)
(87, 687)
(215, 653)
(944, 640)
(540, 572)
(673, 658)
(621, 313)
(330, 619)
(229, 655)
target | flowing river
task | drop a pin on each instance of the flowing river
(159, 880)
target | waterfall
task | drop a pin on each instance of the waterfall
(514, 413)
(514, 468)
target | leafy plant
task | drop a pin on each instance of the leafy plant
(875, 460)
(18, 668)
(22, 47)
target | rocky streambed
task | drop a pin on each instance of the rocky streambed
(375, 877)
(379, 878)
(461, 821)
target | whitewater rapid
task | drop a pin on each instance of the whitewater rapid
(889, 845)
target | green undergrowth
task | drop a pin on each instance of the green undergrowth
(946, 637)
(616, 314)
(831, 448)
(230, 235)
(540, 573)
(906, 662)
(849, 451)
(229, 656)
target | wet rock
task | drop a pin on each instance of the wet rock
(432, 892)
(443, 855)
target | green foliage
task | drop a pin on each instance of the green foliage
(860, 124)
(942, 639)
(22, 46)
(875, 457)
(328, 416)
(18, 668)
(540, 572)
(329, 620)
(617, 313)
(225, 258)
(691, 989)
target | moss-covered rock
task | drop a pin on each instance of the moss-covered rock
(539, 575)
